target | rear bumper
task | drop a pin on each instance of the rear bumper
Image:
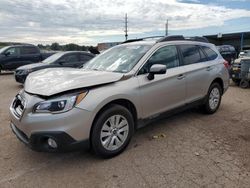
(39, 141)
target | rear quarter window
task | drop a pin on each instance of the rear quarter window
(211, 54)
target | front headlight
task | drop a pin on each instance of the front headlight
(59, 105)
(25, 71)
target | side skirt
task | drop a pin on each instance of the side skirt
(143, 122)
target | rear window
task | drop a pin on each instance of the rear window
(85, 57)
(70, 58)
(29, 50)
(192, 54)
(210, 53)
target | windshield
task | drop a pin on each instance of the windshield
(3, 49)
(53, 58)
(118, 59)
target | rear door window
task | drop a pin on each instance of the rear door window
(68, 59)
(211, 54)
(29, 50)
(191, 54)
(203, 56)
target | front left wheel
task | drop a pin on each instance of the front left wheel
(112, 131)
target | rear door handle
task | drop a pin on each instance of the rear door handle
(209, 68)
(181, 76)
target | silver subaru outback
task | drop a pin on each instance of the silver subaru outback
(101, 105)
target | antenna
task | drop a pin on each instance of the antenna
(126, 27)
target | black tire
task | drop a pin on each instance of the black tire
(236, 81)
(207, 107)
(97, 145)
(244, 84)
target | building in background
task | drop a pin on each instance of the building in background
(241, 41)
(106, 45)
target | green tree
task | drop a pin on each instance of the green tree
(55, 46)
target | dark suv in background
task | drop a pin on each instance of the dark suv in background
(74, 59)
(228, 52)
(12, 57)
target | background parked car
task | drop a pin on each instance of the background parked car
(245, 53)
(240, 72)
(62, 59)
(12, 57)
(228, 52)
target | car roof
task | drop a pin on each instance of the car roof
(22, 45)
(151, 42)
(80, 52)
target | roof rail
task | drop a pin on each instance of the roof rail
(198, 39)
(131, 40)
(171, 38)
(181, 37)
(141, 39)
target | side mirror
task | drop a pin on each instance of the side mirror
(156, 69)
(6, 53)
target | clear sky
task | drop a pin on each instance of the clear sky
(89, 22)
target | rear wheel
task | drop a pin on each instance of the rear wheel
(213, 99)
(112, 131)
(244, 84)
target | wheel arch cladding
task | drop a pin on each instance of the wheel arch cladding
(220, 82)
(122, 102)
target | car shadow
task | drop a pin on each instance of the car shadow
(156, 125)
(6, 73)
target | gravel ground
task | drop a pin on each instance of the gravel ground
(195, 150)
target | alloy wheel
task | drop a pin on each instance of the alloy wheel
(214, 98)
(114, 132)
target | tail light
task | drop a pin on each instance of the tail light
(226, 64)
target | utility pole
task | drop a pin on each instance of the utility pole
(166, 29)
(126, 27)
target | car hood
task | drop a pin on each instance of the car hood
(49, 82)
(31, 66)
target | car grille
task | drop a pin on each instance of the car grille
(18, 106)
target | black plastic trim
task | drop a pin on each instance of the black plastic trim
(144, 122)
(38, 141)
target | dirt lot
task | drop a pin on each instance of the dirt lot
(197, 151)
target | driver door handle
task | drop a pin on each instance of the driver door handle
(181, 76)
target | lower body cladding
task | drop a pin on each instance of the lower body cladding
(53, 132)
